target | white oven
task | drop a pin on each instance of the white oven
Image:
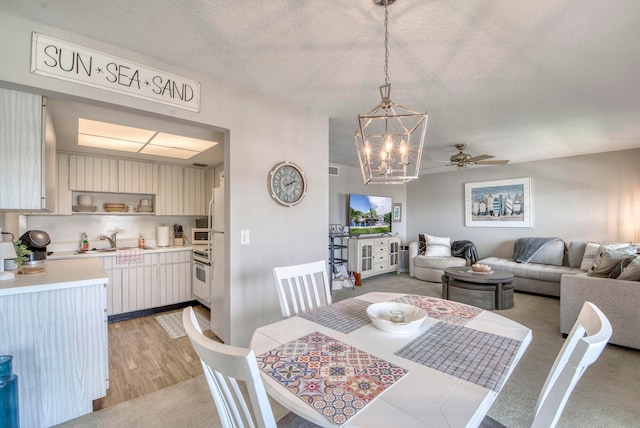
(202, 280)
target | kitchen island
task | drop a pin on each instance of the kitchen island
(55, 325)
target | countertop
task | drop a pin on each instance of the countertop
(58, 274)
(60, 255)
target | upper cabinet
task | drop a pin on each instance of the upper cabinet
(181, 191)
(28, 160)
(195, 195)
(97, 174)
(176, 190)
(93, 174)
(137, 177)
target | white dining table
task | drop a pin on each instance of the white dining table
(425, 396)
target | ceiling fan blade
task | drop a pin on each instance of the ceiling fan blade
(480, 158)
(493, 162)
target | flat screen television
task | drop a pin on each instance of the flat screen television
(369, 214)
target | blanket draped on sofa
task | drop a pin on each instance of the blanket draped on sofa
(464, 249)
(525, 249)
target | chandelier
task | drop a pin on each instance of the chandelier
(389, 137)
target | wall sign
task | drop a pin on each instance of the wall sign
(62, 60)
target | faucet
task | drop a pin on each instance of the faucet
(111, 240)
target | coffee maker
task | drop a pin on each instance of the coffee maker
(36, 241)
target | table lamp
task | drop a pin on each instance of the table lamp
(7, 251)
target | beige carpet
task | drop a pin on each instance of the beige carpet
(607, 395)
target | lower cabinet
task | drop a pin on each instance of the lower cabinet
(374, 256)
(160, 279)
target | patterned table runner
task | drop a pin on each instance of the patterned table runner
(344, 316)
(444, 310)
(335, 379)
(468, 354)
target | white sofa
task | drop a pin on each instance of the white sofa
(430, 268)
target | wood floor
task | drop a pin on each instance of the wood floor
(143, 359)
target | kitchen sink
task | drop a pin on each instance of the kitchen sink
(96, 250)
(110, 250)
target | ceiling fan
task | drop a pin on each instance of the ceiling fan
(461, 159)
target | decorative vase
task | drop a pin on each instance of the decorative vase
(8, 394)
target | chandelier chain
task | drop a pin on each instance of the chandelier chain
(386, 42)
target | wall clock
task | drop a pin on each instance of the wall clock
(287, 184)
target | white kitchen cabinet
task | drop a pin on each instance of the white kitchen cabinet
(93, 174)
(160, 279)
(195, 197)
(181, 191)
(137, 177)
(64, 196)
(374, 256)
(100, 174)
(27, 147)
(170, 198)
(174, 277)
(55, 326)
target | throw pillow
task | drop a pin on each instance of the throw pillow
(607, 259)
(621, 266)
(437, 246)
(591, 251)
(575, 253)
(422, 244)
(632, 271)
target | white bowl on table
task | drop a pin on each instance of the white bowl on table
(380, 316)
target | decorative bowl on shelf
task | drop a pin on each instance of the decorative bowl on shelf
(478, 267)
(145, 209)
(114, 208)
(85, 200)
(381, 317)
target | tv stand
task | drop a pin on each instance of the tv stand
(374, 255)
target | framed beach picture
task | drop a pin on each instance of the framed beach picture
(397, 212)
(498, 203)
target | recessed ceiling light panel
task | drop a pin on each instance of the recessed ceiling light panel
(110, 130)
(170, 152)
(109, 143)
(170, 140)
(125, 138)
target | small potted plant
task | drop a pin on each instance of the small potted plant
(23, 256)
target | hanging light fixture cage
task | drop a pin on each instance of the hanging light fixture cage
(389, 138)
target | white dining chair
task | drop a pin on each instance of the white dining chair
(302, 288)
(582, 347)
(223, 366)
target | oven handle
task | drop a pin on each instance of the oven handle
(198, 261)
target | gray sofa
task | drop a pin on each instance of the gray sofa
(618, 299)
(543, 272)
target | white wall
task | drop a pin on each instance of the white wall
(349, 181)
(260, 132)
(592, 197)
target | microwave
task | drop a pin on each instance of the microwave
(200, 235)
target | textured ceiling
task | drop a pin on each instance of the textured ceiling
(518, 80)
